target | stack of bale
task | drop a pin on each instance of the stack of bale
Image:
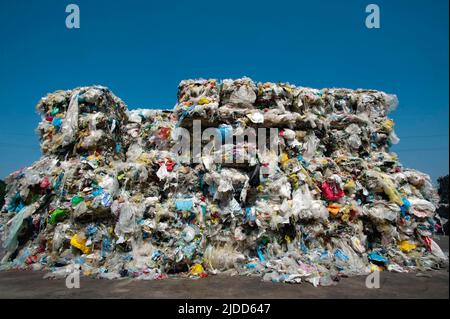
(114, 196)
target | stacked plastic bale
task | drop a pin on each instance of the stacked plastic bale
(333, 202)
(73, 184)
(81, 120)
(197, 97)
(325, 191)
(173, 184)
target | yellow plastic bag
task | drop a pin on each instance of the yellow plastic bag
(350, 186)
(389, 189)
(388, 125)
(406, 246)
(80, 243)
(203, 100)
(284, 158)
(375, 268)
(197, 269)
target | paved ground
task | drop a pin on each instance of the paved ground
(29, 284)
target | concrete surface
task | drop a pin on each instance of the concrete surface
(29, 284)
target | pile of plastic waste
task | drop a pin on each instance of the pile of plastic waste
(113, 196)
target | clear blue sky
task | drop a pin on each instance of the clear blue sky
(142, 49)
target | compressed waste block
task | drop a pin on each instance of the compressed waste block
(114, 195)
